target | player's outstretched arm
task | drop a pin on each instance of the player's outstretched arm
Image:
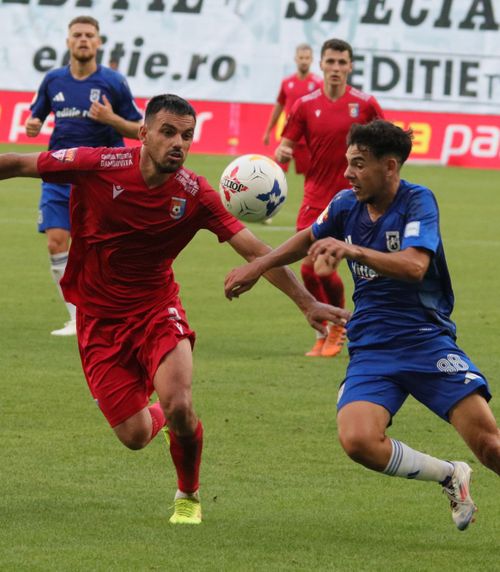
(409, 264)
(18, 165)
(275, 115)
(270, 263)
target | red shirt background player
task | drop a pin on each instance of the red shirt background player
(324, 118)
(292, 88)
(132, 211)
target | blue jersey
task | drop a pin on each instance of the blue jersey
(392, 313)
(70, 100)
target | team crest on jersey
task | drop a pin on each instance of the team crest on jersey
(354, 109)
(177, 208)
(392, 240)
(95, 94)
(65, 155)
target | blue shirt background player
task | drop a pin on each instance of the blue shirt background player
(92, 107)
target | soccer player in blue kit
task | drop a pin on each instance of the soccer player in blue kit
(93, 107)
(401, 337)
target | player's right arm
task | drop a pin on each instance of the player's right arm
(284, 151)
(18, 165)
(32, 126)
(262, 259)
(275, 115)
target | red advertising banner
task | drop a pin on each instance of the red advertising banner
(464, 140)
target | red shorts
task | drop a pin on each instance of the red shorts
(307, 216)
(120, 356)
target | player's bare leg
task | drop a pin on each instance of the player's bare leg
(58, 246)
(173, 385)
(475, 422)
(361, 428)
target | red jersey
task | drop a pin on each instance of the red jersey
(293, 88)
(325, 124)
(125, 235)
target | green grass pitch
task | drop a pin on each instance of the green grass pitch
(278, 492)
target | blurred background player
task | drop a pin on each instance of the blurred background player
(92, 107)
(292, 88)
(324, 118)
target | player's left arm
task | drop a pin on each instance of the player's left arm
(18, 165)
(410, 264)
(263, 261)
(103, 113)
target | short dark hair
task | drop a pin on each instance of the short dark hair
(169, 102)
(84, 20)
(337, 46)
(381, 138)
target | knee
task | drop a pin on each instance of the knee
(358, 445)
(136, 439)
(487, 450)
(179, 413)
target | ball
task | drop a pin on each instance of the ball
(253, 188)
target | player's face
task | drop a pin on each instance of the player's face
(303, 59)
(366, 174)
(83, 42)
(336, 67)
(167, 138)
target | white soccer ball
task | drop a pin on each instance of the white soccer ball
(253, 188)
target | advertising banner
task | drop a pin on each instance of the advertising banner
(422, 55)
(236, 128)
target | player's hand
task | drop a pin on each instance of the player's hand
(240, 280)
(318, 313)
(326, 254)
(32, 126)
(283, 153)
(102, 112)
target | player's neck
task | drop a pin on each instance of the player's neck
(152, 177)
(334, 92)
(302, 75)
(82, 70)
(378, 206)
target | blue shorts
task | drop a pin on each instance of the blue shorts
(435, 372)
(54, 207)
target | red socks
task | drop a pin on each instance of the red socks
(313, 283)
(186, 455)
(328, 289)
(334, 289)
(157, 417)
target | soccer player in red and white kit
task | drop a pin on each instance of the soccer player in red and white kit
(132, 211)
(292, 88)
(324, 118)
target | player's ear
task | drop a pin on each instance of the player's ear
(142, 132)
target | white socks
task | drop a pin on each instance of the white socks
(57, 267)
(410, 464)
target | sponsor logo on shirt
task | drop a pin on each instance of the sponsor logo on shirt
(188, 184)
(354, 109)
(117, 159)
(59, 97)
(412, 229)
(177, 208)
(363, 271)
(65, 155)
(392, 240)
(117, 190)
(95, 94)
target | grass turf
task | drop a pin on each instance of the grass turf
(278, 493)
